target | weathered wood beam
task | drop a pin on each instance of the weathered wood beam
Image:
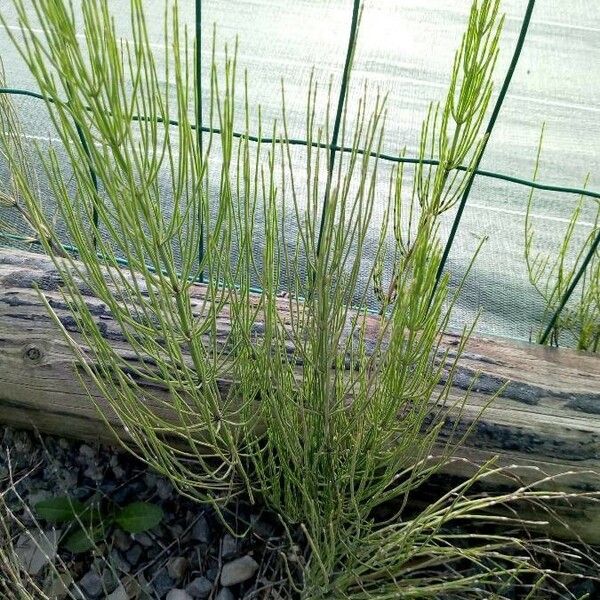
(547, 416)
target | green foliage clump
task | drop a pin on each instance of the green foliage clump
(552, 275)
(91, 522)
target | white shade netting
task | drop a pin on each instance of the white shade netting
(406, 50)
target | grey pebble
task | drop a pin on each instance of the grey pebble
(118, 472)
(162, 583)
(68, 479)
(176, 530)
(22, 443)
(118, 562)
(150, 479)
(225, 594)
(87, 451)
(94, 472)
(229, 546)
(120, 593)
(109, 583)
(133, 554)
(164, 489)
(144, 539)
(238, 570)
(57, 587)
(200, 531)
(122, 540)
(91, 584)
(38, 495)
(201, 587)
(36, 550)
(177, 567)
(177, 594)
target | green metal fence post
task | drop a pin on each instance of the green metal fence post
(333, 146)
(198, 55)
(93, 177)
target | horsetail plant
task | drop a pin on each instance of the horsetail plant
(553, 275)
(450, 137)
(321, 411)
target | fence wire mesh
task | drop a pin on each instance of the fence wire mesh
(548, 72)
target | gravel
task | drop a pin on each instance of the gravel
(225, 594)
(91, 584)
(238, 571)
(177, 594)
(201, 587)
(177, 567)
(36, 549)
(229, 546)
(120, 593)
(190, 555)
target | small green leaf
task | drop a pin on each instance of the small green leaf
(59, 510)
(139, 516)
(84, 540)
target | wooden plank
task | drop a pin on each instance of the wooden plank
(548, 415)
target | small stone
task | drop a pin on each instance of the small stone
(91, 584)
(133, 554)
(109, 582)
(262, 528)
(107, 487)
(36, 550)
(118, 472)
(150, 479)
(177, 594)
(238, 570)
(38, 496)
(120, 593)
(118, 562)
(87, 451)
(22, 444)
(225, 594)
(136, 588)
(68, 479)
(200, 587)
(164, 489)
(177, 567)
(144, 539)
(57, 586)
(122, 540)
(200, 531)
(162, 583)
(94, 472)
(229, 546)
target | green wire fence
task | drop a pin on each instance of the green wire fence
(334, 148)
